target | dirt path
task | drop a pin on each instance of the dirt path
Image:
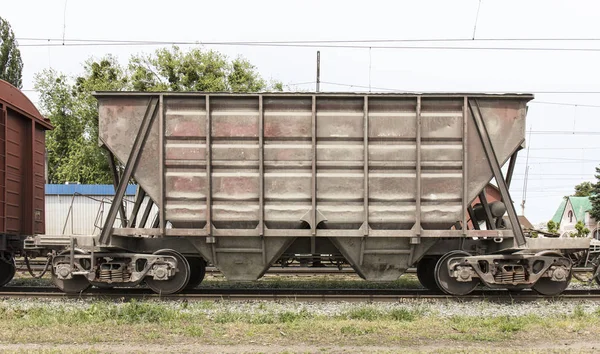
(452, 347)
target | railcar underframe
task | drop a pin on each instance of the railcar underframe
(437, 147)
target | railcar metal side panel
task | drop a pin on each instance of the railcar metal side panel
(394, 172)
(22, 164)
(17, 143)
(287, 155)
(2, 170)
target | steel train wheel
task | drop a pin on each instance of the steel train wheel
(448, 284)
(7, 270)
(77, 284)
(177, 282)
(546, 286)
(426, 273)
(197, 271)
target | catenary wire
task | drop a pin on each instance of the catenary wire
(317, 41)
(300, 45)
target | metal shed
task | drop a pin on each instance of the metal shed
(81, 209)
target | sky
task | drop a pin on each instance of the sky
(557, 161)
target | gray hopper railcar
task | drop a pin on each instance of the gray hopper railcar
(379, 181)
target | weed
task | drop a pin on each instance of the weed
(355, 331)
(403, 314)
(510, 324)
(193, 330)
(261, 318)
(228, 317)
(289, 316)
(366, 313)
(578, 312)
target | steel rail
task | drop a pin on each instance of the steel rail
(314, 295)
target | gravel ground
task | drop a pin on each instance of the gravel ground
(332, 309)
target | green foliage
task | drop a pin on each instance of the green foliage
(595, 197)
(195, 70)
(584, 189)
(366, 313)
(356, 331)
(73, 152)
(11, 65)
(369, 313)
(553, 227)
(402, 314)
(580, 230)
(291, 316)
(239, 317)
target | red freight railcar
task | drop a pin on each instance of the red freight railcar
(22, 167)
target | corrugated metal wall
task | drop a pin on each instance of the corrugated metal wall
(82, 209)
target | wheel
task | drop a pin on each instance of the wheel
(78, 283)
(7, 270)
(448, 284)
(178, 282)
(548, 287)
(426, 272)
(197, 271)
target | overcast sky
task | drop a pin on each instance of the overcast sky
(557, 161)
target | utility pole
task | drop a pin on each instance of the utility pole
(318, 70)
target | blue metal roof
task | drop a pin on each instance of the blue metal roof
(86, 189)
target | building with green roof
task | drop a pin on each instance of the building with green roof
(574, 209)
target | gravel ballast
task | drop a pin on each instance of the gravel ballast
(433, 308)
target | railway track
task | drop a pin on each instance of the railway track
(311, 295)
(38, 265)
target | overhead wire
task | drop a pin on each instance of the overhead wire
(482, 91)
(320, 41)
(52, 42)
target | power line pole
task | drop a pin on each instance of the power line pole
(318, 70)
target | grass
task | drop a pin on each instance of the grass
(168, 323)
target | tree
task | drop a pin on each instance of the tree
(595, 197)
(11, 64)
(73, 152)
(583, 189)
(195, 70)
(580, 230)
(553, 227)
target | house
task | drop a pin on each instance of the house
(572, 210)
